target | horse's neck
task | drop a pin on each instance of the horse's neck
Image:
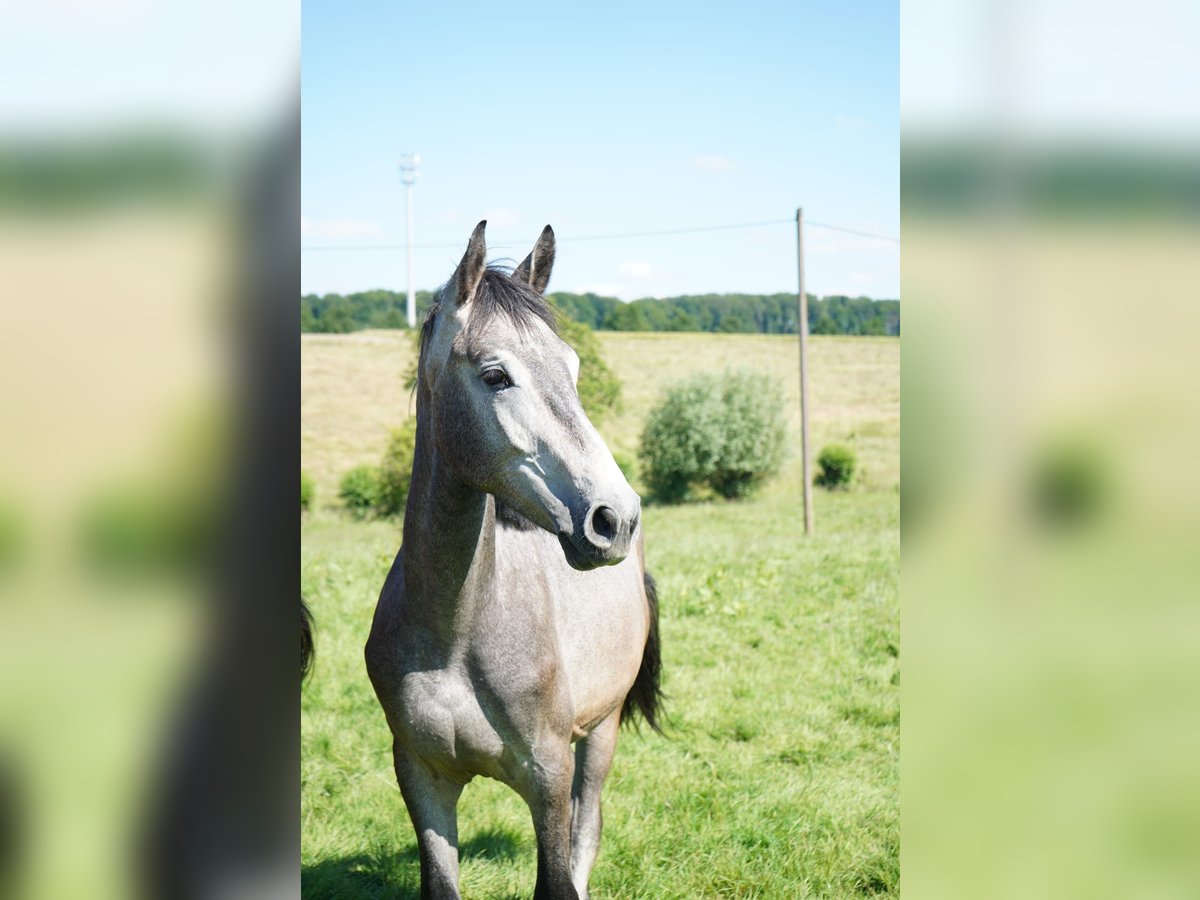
(449, 546)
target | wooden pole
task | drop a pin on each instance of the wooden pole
(802, 330)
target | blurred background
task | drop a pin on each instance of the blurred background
(1051, 209)
(148, 177)
(149, 201)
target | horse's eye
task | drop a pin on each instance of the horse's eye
(496, 378)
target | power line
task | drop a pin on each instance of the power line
(612, 237)
(633, 234)
(866, 234)
(337, 247)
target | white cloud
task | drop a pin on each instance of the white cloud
(638, 269)
(713, 163)
(852, 122)
(502, 215)
(338, 228)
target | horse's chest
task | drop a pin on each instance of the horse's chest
(444, 722)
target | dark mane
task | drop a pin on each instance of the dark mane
(510, 518)
(499, 294)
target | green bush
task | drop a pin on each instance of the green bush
(414, 359)
(141, 529)
(599, 388)
(395, 472)
(626, 464)
(837, 463)
(307, 491)
(753, 436)
(681, 437)
(359, 490)
(726, 431)
(1069, 483)
(382, 490)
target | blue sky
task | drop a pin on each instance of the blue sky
(604, 119)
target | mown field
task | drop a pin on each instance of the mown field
(778, 775)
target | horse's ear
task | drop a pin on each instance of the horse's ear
(535, 271)
(470, 271)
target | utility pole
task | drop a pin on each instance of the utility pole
(802, 330)
(408, 174)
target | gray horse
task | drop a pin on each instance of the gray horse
(518, 617)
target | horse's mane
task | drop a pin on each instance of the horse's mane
(510, 518)
(499, 294)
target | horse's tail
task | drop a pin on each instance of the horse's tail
(646, 695)
(306, 640)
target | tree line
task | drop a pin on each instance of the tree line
(737, 313)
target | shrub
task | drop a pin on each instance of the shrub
(395, 472)
(359, 490)
(307, 492)
(1068, 483)
(725, 431)
(837, 463)
(626, 464)
(681, 437)
(753, 434)
(599, 388)
(414, 360)
(137, 529)
(383, 489)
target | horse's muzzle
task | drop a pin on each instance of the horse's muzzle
(603, 537)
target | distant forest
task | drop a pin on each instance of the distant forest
(745, 313)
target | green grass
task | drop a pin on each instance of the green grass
(778, 775)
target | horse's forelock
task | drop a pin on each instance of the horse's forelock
(499, 294)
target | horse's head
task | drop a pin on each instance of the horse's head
(499, 387)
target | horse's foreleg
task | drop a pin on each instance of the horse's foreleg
(593, 758)
(549, 800)
(432, 805)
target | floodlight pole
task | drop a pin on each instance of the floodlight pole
(802, 330)
(408, 174)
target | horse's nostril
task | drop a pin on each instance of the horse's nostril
(605, 523)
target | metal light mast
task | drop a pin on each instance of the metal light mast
(408, 174)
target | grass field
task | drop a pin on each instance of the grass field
(353, 393)
(778, 775)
